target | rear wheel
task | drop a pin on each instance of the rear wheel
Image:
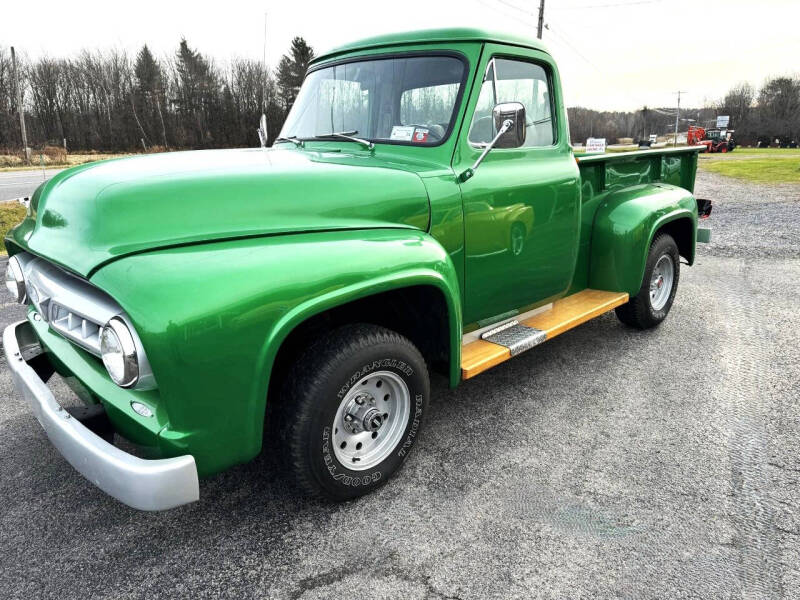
(652, 303)
(352, 409)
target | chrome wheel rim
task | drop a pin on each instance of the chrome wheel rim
(661, 282)
(370, 420)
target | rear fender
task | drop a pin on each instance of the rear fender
(624, 228)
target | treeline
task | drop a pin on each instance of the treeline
(759, 117)
(111, 101)
(638, 125)
(768, 116)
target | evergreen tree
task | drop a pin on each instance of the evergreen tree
(292, 70)
(197, 92)
(148, 72)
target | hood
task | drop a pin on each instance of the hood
(88, 215)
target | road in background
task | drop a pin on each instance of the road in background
(16, 184)
(608, 462)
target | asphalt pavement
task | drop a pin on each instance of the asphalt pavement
(607, 462)
(18, 184)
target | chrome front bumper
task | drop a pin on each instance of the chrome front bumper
(139, 483)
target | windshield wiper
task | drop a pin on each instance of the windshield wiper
(346, 135)
(292, 138)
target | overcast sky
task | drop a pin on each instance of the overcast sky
(613, 54)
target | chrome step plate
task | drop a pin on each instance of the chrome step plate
(517, 338)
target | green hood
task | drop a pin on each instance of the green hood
(88, 215)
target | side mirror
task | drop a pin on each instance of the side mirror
(262, 130)
(515, 136)
(509, 121)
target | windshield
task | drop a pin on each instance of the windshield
(400, 100)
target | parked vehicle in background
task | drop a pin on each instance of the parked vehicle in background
(422, 211)
(714, 140)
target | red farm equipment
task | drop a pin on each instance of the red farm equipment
(714, 140)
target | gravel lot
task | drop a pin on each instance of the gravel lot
(607, 462)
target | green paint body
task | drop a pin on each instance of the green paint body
(217, 256)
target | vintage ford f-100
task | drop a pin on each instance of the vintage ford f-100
(422, 211)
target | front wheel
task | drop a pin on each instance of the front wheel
(651, 304)
(352, 410)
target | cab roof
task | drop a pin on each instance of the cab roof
(430, 36)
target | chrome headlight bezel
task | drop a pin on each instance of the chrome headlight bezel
(15, 284)
(129, 359)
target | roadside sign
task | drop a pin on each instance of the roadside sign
(653, 138)
(596, 146)
(722, 121)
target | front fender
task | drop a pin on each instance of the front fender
(212, 318)
(624, 227)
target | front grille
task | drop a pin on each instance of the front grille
(77, 310)
(73, 307)
(71, 325)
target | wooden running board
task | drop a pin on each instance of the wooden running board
(569, 312)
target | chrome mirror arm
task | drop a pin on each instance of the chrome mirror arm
(507, 124)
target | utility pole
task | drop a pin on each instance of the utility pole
(541, 19)
(18, 94)
(264, 69)
(644, 122)
(677, 115)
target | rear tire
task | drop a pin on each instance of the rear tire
(652, 303)
(352, 408)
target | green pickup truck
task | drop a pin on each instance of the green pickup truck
(422, 211)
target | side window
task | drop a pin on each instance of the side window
(515, 81)
(482, 129)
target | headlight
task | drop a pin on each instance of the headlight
(15, 280)
(119, 353)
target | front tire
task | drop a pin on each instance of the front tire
(652, 303)
(352, 410)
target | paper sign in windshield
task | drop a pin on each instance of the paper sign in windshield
(420, 135)
(402, 133)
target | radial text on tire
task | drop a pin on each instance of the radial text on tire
(351, 410)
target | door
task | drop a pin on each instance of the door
(522, 206)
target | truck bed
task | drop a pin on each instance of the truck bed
(607, 172)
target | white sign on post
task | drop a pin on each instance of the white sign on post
(722, 121)
(596, 146)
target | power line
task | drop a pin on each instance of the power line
(612, 5)
(574, 49)
(494, 7)
(562, 38)
(515, 7)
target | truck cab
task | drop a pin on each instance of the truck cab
(421, 211)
